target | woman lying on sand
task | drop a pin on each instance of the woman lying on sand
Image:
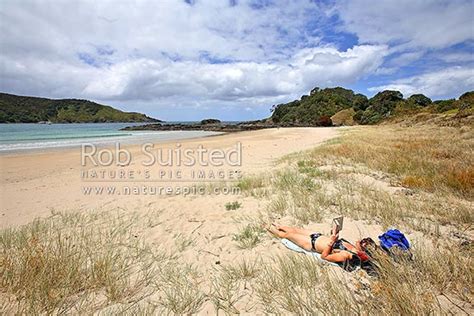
(331, 247)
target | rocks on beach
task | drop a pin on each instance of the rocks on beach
(212, 125)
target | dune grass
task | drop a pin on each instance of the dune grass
(183, 242)
(54, 264)
(432, 158)
(84, 262)
(256, 185)
(249, 236)
(179, 289)
(439, 207)
(99, 262)
(299, 285)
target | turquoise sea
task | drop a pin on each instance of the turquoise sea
(32, 137)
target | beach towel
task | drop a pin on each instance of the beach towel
(292, 246)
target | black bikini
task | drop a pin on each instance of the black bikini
(337, 245)
(313, 237)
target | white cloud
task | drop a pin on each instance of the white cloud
(209, 55)
(406, 58)
(153, 50)
(170, 50)
(145, 78)
(411, 23)
(149, 28)
(452, 81)
(457, 57)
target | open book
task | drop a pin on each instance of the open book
(337, 223)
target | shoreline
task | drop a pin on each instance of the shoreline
(34, 184)
(103, 144)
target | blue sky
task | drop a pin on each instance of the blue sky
(188, 60)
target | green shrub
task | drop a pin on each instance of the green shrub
(232, 206)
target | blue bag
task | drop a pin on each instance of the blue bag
(393, 237)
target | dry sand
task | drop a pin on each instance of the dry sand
(37, 184)
(34, 184)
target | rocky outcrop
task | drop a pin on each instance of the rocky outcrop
(217, 127)
(210, 121)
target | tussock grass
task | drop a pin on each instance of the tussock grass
(254, 185)
(225, 293)
(183, 242)
(299, 285)
(179, 290)
(291, 180)
(310, 168)
(89, 262)
(297, 195)
(357, 200)
(244, 269)
(444, 270)
(249, 236)
(229, 285)
(303, 207)
(56, 264)
(432, 158)
(414, 286)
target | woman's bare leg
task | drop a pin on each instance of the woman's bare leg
(294, 230)
(291, 233)
(304, 241)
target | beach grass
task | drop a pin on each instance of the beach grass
(84, 262)
(225, 291)
(432, 158)
(101, 262)
(55, 264)
(179, 290)
(249, 236)
(364, 175)
(255, 185)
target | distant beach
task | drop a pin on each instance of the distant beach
(39, 137)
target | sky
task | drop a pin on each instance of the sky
(181, 60)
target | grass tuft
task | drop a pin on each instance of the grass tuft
(54, 264)
(180, 290)
(249, 236)
(231, 206)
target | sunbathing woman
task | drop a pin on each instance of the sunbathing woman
(331, 247)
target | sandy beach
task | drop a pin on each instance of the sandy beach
(236, 158)
(34, 184)
(195, 242)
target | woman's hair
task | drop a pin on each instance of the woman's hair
(353, 263)
(368, 246)
(367, 243)
(363, 259)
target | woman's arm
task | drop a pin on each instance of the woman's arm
(337, 257)
(334, 257)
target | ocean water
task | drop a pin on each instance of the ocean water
(33, 137)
